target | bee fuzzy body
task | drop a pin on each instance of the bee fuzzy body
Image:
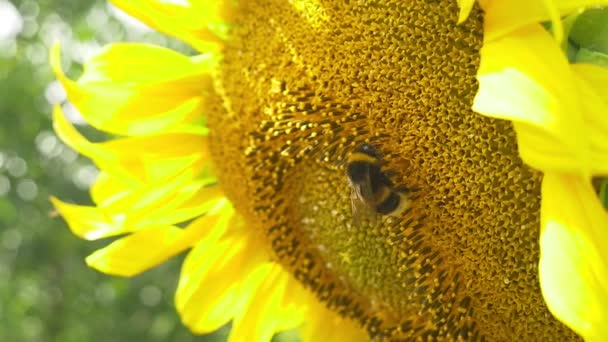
(372, 190)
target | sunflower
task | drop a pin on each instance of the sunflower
(237, 156)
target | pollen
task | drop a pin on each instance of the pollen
(300, 86)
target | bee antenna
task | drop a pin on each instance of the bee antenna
(369, 149)
(390, 173)
(407, 190)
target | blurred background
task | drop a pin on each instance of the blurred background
(47, 293)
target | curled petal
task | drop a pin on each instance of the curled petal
(151, 246)
(171, 204)
(504, 17)
(592, 80)
(147, 159)
(174, 201)
(137, 252)
(143, 179)
(118, 94)
(107, 189)
(574, 254)
(294, 304)
(88, 222)
(185, 205)
(329, 326)
(524, 78)
(96, 222)
(217, 281)
(465, 8)
(200, 23)
(266, 313)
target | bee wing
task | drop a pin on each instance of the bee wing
(364, 189)
(361, 210)
(362, 202)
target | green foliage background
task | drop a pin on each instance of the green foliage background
(47, 293)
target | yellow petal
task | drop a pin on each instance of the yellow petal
(596, 76)
(329, 326)
(592, 80)
(279, 303)
(154, 195)
(131, 63)
(137, 252)
(93, 222)
(200, 202)
(178, 208)
(139, 159)
(503, 17)
(149, 247)
(145, 151)
(88, 222)
(216, 282)
(69, 135)
(107, 189)
(165, 203)
(211, 226)
(465, 8)
(259, 321)
(525, 78)
(173, 200)
(118, 94)
(200, 23)
(574, 254)
(294, 305)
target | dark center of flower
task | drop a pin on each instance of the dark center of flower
(303, 83)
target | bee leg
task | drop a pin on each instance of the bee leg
(414, 189)
(390, 173)
(407, 190)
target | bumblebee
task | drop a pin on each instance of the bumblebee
(372, 192)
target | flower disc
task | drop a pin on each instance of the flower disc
(301, 85)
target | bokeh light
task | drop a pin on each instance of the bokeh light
(48, 292)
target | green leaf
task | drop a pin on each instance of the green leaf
(590, 30)
(571, 51)
(604, 192)
(568, 23)
(588, 56)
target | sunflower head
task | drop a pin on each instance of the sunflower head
(287, 91)
(301, 90)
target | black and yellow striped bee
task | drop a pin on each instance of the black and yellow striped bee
(372, 191)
